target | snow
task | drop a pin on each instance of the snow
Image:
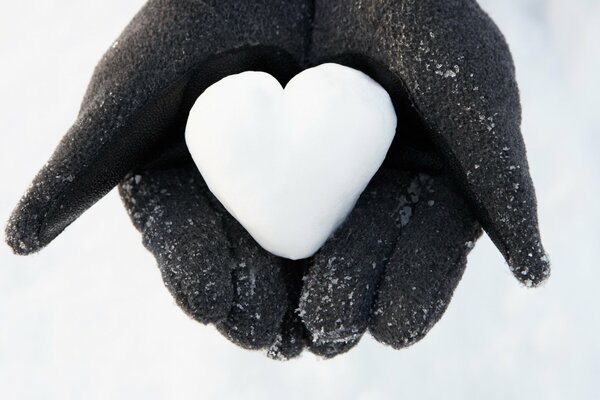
(89, 317)
(289, 164)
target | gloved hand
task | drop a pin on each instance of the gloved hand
(130, 129)
(393, 265)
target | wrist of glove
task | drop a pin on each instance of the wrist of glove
(458, 163)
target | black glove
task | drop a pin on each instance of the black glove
(393, 266)
(131, 124)
(454, 92)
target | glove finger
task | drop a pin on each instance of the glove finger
(342, 282)
(259, 296)
(331, 349)
(213, 268)
(460, 81)
(139, 92)
(293, 336)
(183, 229)
(426, 266)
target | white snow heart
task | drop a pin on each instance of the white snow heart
(289, 164)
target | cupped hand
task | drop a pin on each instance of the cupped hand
(457, 163)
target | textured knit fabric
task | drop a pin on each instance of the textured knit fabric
(459, 77)
(136, 92)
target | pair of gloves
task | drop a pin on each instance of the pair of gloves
(457, 165)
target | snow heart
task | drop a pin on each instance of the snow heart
(289, 164)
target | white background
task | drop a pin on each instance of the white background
(89, 318)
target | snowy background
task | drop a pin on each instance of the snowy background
(89, 318)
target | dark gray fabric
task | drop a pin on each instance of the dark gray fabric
(293, 336)
(457, 161)
(207, 260)
(342, 282)
(260, 298)
(135, 95)
(426, 265)
(182, 225)
(394, 264)
(131, 121)
(459, 75)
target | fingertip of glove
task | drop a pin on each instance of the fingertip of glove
(337, 312)
(397, 337)
(291, 341)
(332, 328)
(258, 306)
(206, 302)
(402, 322)
(330, 349)
(282, 350)
(245, 335)
(203, 310)
(531, 268)
(21, 234)
(403, 316)
(36, 220)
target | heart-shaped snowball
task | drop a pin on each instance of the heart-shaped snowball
(289, 164)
